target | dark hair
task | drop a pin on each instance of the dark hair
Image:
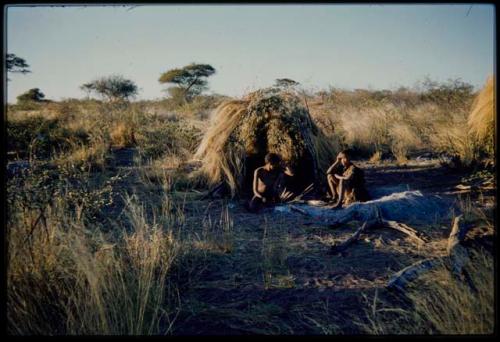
(347, 154)
(272, 158)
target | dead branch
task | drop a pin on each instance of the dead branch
(457, 257)
(342, 246)
(456, 251)
(354, 237)
(400, 279)
(405, 229)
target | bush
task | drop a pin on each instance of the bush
(38, 137)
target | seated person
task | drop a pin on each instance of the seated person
(269, 183)
(346, 181)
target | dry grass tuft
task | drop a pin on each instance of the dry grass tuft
(481, 120)
(449, 305)
(122, 135)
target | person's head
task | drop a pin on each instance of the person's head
(272, 160)
(345, 157)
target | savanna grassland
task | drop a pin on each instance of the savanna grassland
(110, 231)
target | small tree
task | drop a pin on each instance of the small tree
(87, 88)
(113, 88)
(32, 95)
(190, 80)
(285, 83)
(16, 64)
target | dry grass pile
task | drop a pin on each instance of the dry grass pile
(481, 120)
(243, 131)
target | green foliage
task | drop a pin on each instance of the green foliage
(39, 137)
(34, 95)
(452, 93)
(160, 138)
(285, 82)
(16, 64)
(190, 80)
(113, 88)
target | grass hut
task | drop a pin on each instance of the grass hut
(243, 131)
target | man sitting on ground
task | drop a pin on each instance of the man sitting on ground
(268, 183)
(346, 181)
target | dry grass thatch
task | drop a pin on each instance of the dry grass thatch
(481, 120)
(243, 131)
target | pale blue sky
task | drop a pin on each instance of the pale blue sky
(348, 46)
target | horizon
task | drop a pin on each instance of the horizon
(343, 46)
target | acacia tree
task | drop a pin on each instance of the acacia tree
(285, 82)
(16, 64)
(34, 95)
(190, 80)
(113, 88)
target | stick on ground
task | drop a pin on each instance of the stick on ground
(405, 229)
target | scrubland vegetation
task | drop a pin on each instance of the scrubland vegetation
(98, 248)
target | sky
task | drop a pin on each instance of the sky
(320, 46)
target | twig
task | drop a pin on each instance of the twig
(403, 228)
(354, 237)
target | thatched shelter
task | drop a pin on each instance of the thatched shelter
(243, 131)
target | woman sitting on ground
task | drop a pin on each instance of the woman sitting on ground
(346, 181)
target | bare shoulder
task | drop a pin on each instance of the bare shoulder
(258, 171)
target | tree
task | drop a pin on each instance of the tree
(190, 80)
(16, 64)
(285, 82)
(32, 95)
(113, 88)
(451, 92)
(87, 88)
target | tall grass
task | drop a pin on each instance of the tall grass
(66, 277)
(401, 123)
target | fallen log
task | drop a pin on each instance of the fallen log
(355, 212)
(400, 279)
(457, 256)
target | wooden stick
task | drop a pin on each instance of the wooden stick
(457, 234)
(400, 279)
(405, 229)
(456, 251)
(457, 256)
(367, 225)
(342, 246)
